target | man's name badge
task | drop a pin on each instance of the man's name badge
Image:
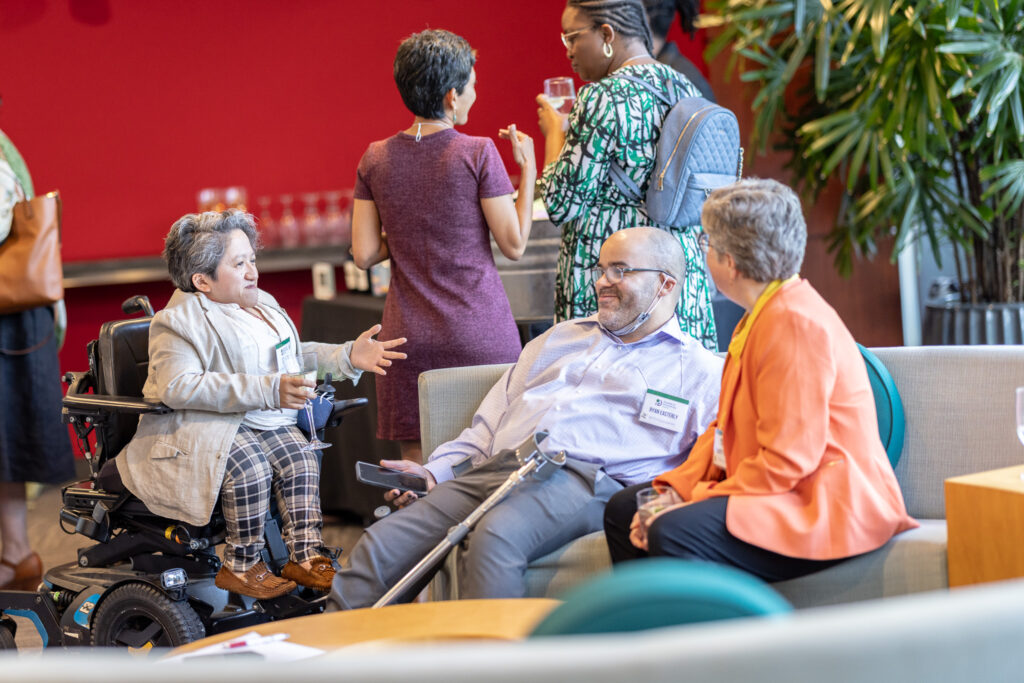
(664, 410)
(718, 454)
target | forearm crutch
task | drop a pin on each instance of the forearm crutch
(533, 461)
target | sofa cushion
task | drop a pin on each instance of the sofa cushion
(958, 403)
(911, 562)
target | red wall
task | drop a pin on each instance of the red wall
(131, 107)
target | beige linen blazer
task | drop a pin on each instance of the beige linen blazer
(175, 462)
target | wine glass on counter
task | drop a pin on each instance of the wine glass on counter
(210, 199)
(288, 226)
(337, 222)
(236, 197)
(312, 223)
(268, 229)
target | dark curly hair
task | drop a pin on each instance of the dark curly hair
(427, 66)
(627, 17)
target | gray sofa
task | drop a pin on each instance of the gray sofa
(959, 408)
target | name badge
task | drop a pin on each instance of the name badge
(287, 361)
(664, 410)
(718, 454)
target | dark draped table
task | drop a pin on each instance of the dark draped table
(338, 320)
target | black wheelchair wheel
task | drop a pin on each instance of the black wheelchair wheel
(140, 617)
(7, 628)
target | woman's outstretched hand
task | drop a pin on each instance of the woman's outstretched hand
(522, 146)
(371, 355)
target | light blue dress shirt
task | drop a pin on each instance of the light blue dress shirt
(586, 388)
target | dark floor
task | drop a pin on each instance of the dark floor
(56, 547)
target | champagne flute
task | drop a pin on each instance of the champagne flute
(310, 365)
(560, 93)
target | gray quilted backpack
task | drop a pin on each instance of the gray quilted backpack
(698, 151)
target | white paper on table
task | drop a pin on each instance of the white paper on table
(272, 648)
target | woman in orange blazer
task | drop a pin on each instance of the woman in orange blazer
(791, 477)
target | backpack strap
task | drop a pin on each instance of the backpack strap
(618, 175)
(657, 93)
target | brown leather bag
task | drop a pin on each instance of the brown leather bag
(30, 268)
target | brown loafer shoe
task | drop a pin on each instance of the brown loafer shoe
(28, 574)
(318, 576)
(259, 582)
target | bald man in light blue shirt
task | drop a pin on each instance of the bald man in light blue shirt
(624, 393)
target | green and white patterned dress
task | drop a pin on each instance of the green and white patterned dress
(615, 120)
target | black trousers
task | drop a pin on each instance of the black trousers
(697, 532)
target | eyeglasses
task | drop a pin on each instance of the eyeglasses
(570, 38)
(704, 242)
(613, 274)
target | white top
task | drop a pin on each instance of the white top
(258, 341)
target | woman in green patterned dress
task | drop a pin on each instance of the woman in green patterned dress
(613, 121)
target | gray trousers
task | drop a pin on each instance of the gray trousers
(536, 518)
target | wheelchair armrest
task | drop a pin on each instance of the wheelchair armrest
(344, 406)
(91, 404)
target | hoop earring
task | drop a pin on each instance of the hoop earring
(607, 50)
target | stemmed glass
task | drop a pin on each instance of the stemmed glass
(560, 93)
(309, 371)
(1020, 414)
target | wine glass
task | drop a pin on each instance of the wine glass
(560, 93)
(287, 226)
(310, 365)
(1020, 414)
(312, 223)
(268, 229)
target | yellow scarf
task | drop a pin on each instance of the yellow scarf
(739, 337)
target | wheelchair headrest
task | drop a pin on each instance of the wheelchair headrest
(122, 361)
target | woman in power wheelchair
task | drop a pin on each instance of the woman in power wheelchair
(218, 418)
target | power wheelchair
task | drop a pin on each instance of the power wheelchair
(147, 581)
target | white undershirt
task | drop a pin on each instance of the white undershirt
(258, 340)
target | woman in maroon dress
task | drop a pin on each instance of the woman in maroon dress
(429, 198)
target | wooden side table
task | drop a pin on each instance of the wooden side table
(508, 619)
(985, 525)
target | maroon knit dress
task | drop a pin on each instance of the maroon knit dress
(446, 296)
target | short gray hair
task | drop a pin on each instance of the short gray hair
(197, 241)
(760, 224)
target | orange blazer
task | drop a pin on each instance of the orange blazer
(805, 469)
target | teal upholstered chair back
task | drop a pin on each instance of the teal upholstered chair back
(888, 406)
(653, 593)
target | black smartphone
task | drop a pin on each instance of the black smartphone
(375, 475)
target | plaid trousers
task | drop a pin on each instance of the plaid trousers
(260, 462)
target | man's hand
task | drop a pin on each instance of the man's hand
(399, 498)
(372, 355)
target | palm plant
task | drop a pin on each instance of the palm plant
(917, 106)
